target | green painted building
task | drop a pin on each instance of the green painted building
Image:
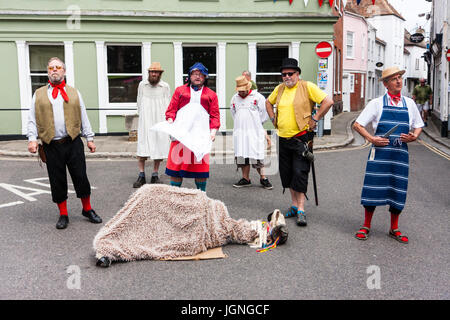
(108, 45)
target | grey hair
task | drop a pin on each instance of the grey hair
(57, 59)
(246, 72)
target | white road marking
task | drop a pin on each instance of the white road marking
(10, 204)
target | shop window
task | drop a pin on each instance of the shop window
(124, 72)
(39, 56)
(268, 62)
(205, 55)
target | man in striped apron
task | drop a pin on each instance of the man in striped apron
(396, 121)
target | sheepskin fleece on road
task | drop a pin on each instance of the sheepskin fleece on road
(160, 222)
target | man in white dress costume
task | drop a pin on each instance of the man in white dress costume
(249, 113)
(152, 101)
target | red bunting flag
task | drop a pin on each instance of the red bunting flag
(331, 3)
(320, 3)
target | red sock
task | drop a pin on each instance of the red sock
(86, 203)
(367, 221)
(368, 218)
(394, 220)
(62, 206)
(394, 224)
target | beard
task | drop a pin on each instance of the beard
(55, 78)
(290, 83)
(154, 80)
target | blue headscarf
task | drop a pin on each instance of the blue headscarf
(200, 67)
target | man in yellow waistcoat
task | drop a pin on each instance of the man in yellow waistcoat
(58, 117)
(295, 100)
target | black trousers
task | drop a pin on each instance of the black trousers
(294, 167)
(70, 155)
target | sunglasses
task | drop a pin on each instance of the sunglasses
(57, 68)
(285, 74)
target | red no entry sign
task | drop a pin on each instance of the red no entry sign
(323, 49)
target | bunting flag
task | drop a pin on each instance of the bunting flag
(290, 1)
(306, 2)
(358, 2)
(320, 3)
(331, 3)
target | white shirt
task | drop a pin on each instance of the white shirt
(371, 114)
(58, 115)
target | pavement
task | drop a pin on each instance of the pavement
(119, 147)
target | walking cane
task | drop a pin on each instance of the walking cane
(313, 170)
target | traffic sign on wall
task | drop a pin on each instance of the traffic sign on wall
(323, 49)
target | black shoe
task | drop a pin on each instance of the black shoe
(103, 262)
(62, 223)
(301, 219)
(139, 182)
(266, 184)
(242, 183)
(155, 179)
(92, 216)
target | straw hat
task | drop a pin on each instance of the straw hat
(155, 66)
(242, 84)
(389, 72)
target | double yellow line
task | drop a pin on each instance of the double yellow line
(434, 149)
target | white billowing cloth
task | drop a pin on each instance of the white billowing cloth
(190, 128)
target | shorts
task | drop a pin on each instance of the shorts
(242, 162)
(294, 167)
(423, 106)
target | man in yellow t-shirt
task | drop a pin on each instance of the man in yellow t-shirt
(295, 123)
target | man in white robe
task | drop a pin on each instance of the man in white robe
(152, 101)
(249, 113)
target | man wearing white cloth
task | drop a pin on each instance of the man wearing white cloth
(152, 101)
(195, 108)
(248, 109)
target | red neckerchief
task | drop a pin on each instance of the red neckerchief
(246, 95)
(60, 88)
(395, 97)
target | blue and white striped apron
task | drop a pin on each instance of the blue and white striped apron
(386, 179)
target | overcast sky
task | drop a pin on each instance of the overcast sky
(409, 9)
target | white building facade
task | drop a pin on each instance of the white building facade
(439, 46)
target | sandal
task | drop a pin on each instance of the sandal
(397, 235)
(365, 234)
(292, 212)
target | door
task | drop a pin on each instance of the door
(346, 92)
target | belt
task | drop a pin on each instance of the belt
(301, 133)
(63, 140)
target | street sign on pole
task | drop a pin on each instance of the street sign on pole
(448, 55)
(323, 49)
